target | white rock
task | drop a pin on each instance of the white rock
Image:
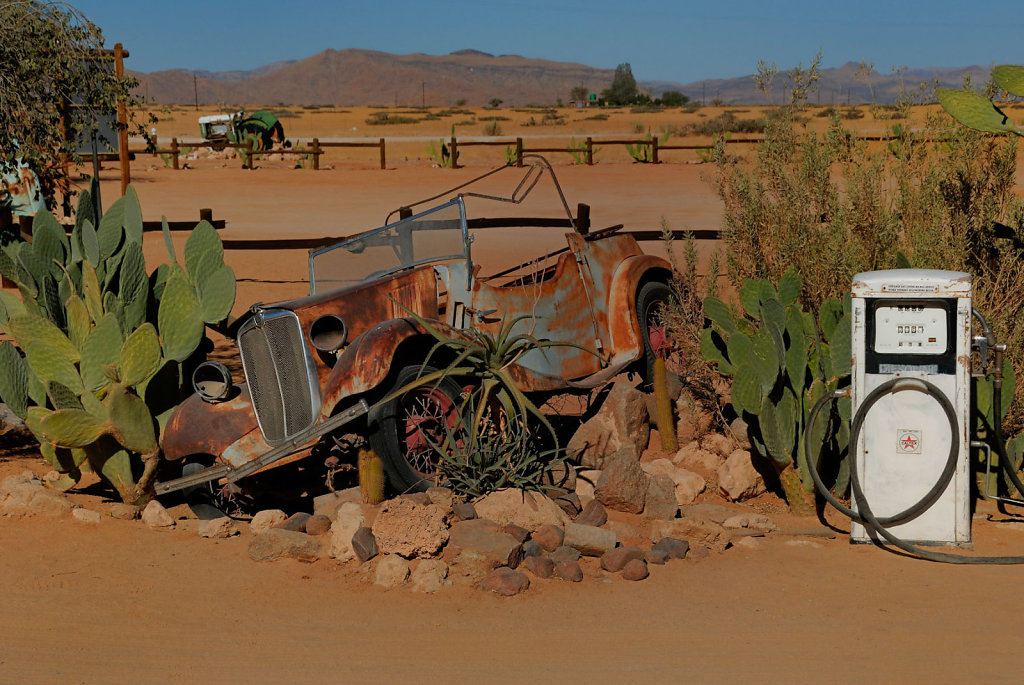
(49, 503)
(155, 516)
(392, 571)
(586, 481)
(688, 486)
(220, 527)
(347, 520)
(803, 543)
(748, 542)
(738, 479)
(429, 576)
(85, 515)
(265, 520)
(530, 510)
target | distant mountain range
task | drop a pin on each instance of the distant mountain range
(367, 77)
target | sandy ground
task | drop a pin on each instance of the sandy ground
(117, 602)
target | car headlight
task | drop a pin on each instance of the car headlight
(212, 381)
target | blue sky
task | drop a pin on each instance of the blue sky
(675, 41)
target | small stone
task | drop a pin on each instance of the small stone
(614, 560)
(569, 570)
(327, 504)
(348, 515)
(635, 570)
(278, 543)
(428, 576)
(542, 567)
(477, 547)
(751, 521)
(464, 511)
(692, 458)
(738, 478)
(505, 582)
(748, 542)
(698, 533)
(623, 531)
(593, 514)
(531, 510)
(85, 515)
(804, 543)
(586, 481)
(441, 497)
(364, 545)
(562, 475)
(688, 485)
(740, 433)
(48, 503)
(673, 547)
(590, 541)
(660, 502)
(564, 553)
(348, 518)
(569, 502)
(718, 444)
(715, 513)
(532, 549)
(295, 522)
(410, 528)
(265, 520)
(155, 516)
(699, 553)
(656, 556)
(549, 537)
(220, 527)
(623, 484)
(518, 532)
(392, 571)
(418, 497)
(318, 524)
(125, 512)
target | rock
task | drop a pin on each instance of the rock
(530, 510)
(593, 514)
(673, 548)
(532, 549)
(589, 540)
(549, 537)
(505, 582)
(621, 424)
(748, 542)
(329, 503)
(738, 479)
(411, 529)
(155, 516)
(441, 497)
(542, 567)
(656, 556)
(635, 570)
(12, 428)
(569, 502)
(318, 524)
(804, 543)
(569, 570)
(266, 519)
(615, 559)
(48, 503)
(740, 433)
(278, 543)
(392, 571)
(694, 420)
(586, 481)
(660, 501)
(348, 519)
(296, 522)
(125, 512)
(363, 544)
(699, 553)
(718, 444)
(623, 531)
(565, 553)
(418, 498)
(692, 458)
(85, 515)
(220, 527)
(623, 485)
(751, 521)
(562, 475)
(518, 532)
(697, 533)
(464, 511)
(428, 576)
(477, 545)
(708, 512)
(688, 486)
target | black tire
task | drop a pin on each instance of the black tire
(409, 461)
(650, 299)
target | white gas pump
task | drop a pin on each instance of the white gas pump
(911, 384)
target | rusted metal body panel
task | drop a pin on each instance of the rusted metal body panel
(199, 427)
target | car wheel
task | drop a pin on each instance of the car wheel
(651, 300)
(404, 429)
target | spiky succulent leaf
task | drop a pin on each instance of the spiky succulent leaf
(741, 349)
(32, 262)
(90, 243)
(102, 347)
(828, 317)
(774, 315)
(217, 295)
(85, 209)
(72, 428)
(168, 243)
(134, 282)
(110, 230)
(132, 217)
(765, 360)
(48, 240)
(719, 314)
(91, 292)
(750, 298)
(787, 413)
(158, 281)
(840, 347)
(789, 286)
(112, 305)
(131, 421)
(204, 252)
(28, 328)
(768, 420)
(10, 305)
(974, 111)
(49, 297)
(11, 269)
(13, 379)
(61, 396)
(140, 355)
(179, 318)
(746, 390)
(116, 468)
(796, 363)
(51, 364)
(78, 320)
(1009, 77)
(711, 346)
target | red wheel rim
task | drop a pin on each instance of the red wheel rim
(654, 324)
(424, 415)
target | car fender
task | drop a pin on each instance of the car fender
(200, 427)
(626, 340)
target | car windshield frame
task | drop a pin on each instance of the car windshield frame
(392, 235)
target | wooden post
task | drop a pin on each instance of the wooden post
(383, 159)
(590, 151)
(404, 213)
(582, 218)
(248, 153)
(654, 150)
(206, 214)
(316, 154)
(519, 152)
(455, 153)
(122, 122)
(174, 154)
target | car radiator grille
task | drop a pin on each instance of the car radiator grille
(278, 372)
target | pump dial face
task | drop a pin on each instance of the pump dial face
(918, 328)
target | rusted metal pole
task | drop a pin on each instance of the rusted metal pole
(316, 154)
(590, 151)
(383, 158)
(122, 122)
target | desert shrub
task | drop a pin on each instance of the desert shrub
(726, 122)
(492, 128)
(596, 117)
(852, 113)
(388, 119)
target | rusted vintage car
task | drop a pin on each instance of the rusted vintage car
(318, 367)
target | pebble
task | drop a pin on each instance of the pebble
(505, 582)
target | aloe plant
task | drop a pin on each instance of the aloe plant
(782, 359)
(977, 111)
(96, 367)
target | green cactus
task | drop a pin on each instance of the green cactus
(96, 365)
(782, 360)
(977, 111)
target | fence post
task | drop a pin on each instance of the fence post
(206, 214)
(316, 154)
(383, 158)
(590, 151)
(174, 154)
(248, 153)
(519, 152)
(654, 150)
(455, 153)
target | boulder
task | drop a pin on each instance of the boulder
(621, 424)
(549, 537)
(660, 501)
(586, 480)
(636, 569)
(615, 559)
(623, 485)
(278, 543)
(593, 514)
(428, 576)
(589, 540)
(392, 571)
(693, 458)
(623, 531)
(155, 516)
(505, 582)
(718, 444)
(708, 512)
(530, 510)
(265, 520)
(569, 570)
(411, 529)
(532, 549)
(569, 502)
(220, 527)
(562, 475)
(477, 546)
(656, 556)
(688, 486)
(348, 518)
(751, 521)
(125, 512)
(738, 478)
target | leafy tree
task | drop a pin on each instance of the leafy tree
(623, 90)
(54, 86)
(579, 93)
(496, 103)
(673, 98)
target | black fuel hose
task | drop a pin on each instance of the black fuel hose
(864, 515)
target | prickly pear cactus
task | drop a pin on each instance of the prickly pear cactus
(977, 111)
(96, 366)
(782, 360)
